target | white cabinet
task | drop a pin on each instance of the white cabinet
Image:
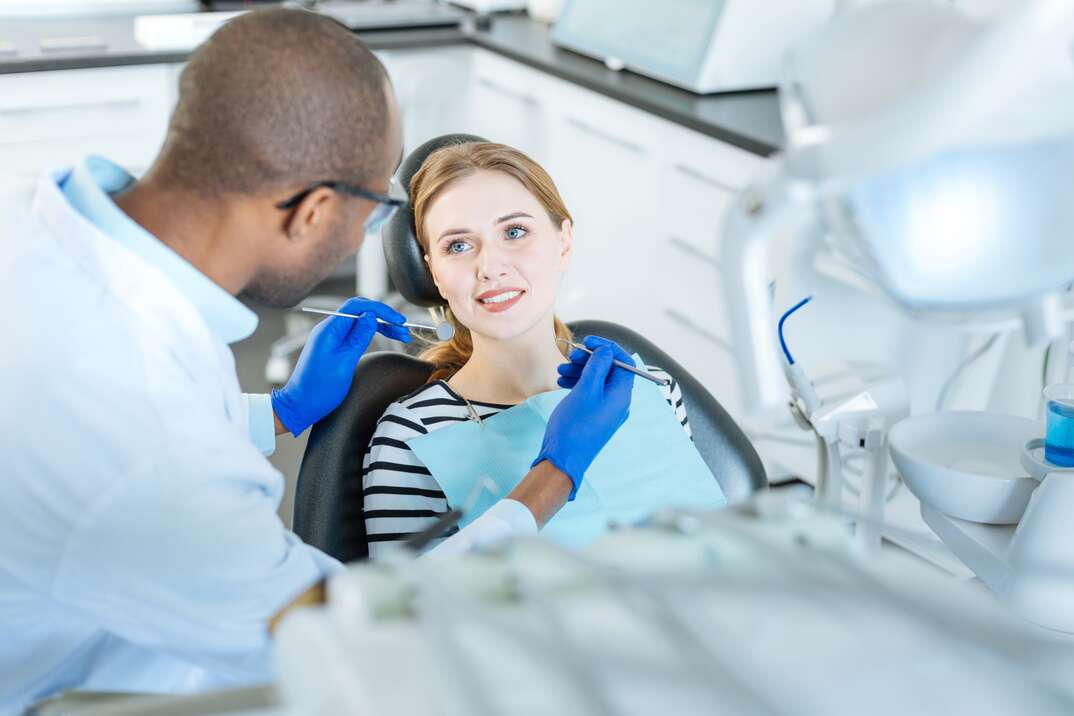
(52, 119)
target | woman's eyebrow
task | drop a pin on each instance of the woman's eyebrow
(508, 217)
(516, 215)
(452, 232)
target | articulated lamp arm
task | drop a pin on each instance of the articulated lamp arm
(767, 209)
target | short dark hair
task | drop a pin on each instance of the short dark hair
(276, 98)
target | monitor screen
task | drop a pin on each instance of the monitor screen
(667, 38)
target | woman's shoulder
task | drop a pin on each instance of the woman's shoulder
(428, 408)
(430, 391)
(431, 399)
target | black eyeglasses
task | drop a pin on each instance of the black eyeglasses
(386, 203)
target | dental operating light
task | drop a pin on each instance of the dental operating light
(934, 152)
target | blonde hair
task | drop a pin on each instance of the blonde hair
(456, 161)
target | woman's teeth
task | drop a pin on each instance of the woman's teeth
(501, 298)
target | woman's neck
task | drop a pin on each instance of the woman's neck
(509, 372)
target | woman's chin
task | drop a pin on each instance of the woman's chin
(501, 329)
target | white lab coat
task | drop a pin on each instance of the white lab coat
(139, 543)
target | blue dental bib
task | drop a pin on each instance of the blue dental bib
(648, 464)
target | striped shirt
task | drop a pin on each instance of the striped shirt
(400, 495)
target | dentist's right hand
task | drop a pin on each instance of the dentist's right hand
(588, 417)
(325, 369)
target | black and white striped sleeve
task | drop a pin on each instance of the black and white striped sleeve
(673, 394)
(400, 495)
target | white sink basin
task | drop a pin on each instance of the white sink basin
(967, 464)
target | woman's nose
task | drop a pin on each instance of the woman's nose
(490, 264)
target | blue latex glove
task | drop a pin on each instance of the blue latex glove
(597, 406)
(325, 369)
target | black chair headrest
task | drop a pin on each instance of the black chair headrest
(403, 254)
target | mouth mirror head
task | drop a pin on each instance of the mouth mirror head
(445, 331)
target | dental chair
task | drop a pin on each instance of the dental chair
(328, 498)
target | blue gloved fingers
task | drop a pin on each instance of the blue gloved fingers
(335, 330)
(596, 370)
(578, 357)
(360, 332)
(396, 333)
(570, 370)
(569, 373)
(594, 342)
(619, 384)
(378, 309)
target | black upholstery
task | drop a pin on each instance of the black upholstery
(328, 498)
(406, 264)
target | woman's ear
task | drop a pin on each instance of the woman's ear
(566, 242)
(432, 273)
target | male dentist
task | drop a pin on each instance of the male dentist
(139, 544)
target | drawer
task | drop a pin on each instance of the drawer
(683, 279)
(509, 114)
(74, 104)
(28, 161)
(708, 160)
(693, 209)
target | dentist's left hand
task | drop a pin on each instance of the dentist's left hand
(325, 369)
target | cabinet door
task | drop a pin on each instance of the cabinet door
(507, 104)
(433, 88)
(601, 175)
(51, 119)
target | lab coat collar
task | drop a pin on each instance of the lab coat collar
(88, 189)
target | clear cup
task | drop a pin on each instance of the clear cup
(1059, 440)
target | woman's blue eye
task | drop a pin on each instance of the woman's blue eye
(516, 232)
(457, 247)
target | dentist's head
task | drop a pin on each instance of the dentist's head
(497, 238)
(281, 149)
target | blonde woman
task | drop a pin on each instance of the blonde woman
(497, 238)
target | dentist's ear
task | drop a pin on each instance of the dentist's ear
(566, 240)
(304, 218)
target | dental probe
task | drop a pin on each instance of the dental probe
(621, 364)
(444, 331)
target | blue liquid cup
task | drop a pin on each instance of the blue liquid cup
(1059, 440)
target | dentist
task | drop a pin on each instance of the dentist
(139, 544)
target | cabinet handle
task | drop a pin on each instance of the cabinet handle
(72, 42)
(684, 320)
(500, 89)
(119, 104)
(700, 176)
(687, 248)
(606, 136)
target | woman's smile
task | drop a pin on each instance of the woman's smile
(500, 299)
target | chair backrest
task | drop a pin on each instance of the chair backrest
(328, 498)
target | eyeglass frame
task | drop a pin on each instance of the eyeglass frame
(376, 219)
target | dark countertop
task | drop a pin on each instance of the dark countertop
(749, 120)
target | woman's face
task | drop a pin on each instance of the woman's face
(495, 254)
